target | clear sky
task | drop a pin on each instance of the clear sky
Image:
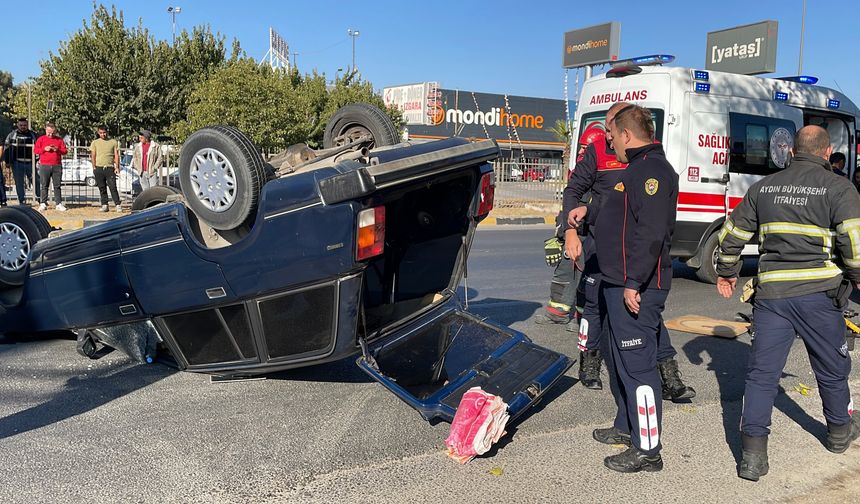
(504, 46)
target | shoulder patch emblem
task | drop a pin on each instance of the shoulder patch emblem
(651, 186)
(619, 186)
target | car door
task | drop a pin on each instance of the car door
(87, 282)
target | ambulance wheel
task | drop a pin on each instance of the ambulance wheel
(707, 272)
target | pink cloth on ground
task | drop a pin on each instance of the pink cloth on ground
(478, 423)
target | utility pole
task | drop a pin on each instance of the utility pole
(353, 33)
(173, 11)
(29, 103)
(802, 29)
(296, 60)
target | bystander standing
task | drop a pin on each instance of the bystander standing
(50, 148)
(104, 155)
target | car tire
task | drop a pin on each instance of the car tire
(360, 119)
(44, 226)
(90, 181)
(153, 196)
(221, 174)
(19, 232)
(707, 272)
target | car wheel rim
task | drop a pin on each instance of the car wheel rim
(213, 180)
(353, 133)
(14, 247)
(715, 257)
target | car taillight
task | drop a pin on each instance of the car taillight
(370, 239)
(488, 192)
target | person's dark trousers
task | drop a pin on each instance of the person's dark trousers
(47, 174)
(590, 324)
(590, 327)
(21, 171)
(106, 178)
(822, 328)
(3, 198)
(632, 345)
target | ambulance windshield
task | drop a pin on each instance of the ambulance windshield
(600, 117)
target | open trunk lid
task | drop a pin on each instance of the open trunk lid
(433, 361)
(416, 340)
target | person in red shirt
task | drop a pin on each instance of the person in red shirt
(50, 148)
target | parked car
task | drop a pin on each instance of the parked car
(534, 174)
(78, 171)
(256, 267)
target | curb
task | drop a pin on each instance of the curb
(507, 221)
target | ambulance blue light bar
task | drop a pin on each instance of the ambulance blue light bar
(702, 87)
(701, 75)
(834, 104)
(803, 79)
(653, 59)
(780, 96)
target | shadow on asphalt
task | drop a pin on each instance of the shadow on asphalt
(681, 270)
(728, 361)
(84, 393)
(340, 371)
(563, 385)
(504, 311)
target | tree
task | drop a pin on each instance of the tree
(107, 73)
(561, 130)
(275, 108)
(6, 89)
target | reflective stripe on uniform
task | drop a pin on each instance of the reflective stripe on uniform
(851, 227)
(852, 263)
(825, 234)
(559, 306)
(829, 270)
(727, 259)
(730, 228)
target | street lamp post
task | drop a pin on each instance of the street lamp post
(173, 11)
(352, 33)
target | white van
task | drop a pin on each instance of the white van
(722, 132)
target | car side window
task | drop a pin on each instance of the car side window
(759, 144)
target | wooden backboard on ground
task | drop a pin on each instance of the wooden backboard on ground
(698, 324)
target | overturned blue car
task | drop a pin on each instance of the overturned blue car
(311, 256)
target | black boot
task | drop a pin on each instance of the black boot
(589, 369)
(673, 388)
(633, 460)
(754, 462)
(611, 436)
(839, 437)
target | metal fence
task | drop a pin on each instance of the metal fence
(78, 185)
(529, 183)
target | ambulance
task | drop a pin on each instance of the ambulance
(721, 132)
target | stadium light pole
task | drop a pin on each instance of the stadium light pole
(353, 33)
(173, 11)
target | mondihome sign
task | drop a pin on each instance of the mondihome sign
(592, 45)
(748, 49)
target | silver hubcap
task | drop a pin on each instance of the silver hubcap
(213, 180)
(14, 247)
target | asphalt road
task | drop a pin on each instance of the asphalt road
(75, 430)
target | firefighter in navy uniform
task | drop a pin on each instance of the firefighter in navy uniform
(633, 233)
(599, 172)
(565, 277)
(808, 222)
